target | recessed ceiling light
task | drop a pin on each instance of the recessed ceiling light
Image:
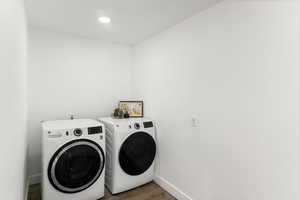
(104, 20)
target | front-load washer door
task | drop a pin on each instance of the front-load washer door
(137, 153)
(76, 166)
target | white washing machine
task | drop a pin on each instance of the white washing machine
(130, 153)
(73, 160)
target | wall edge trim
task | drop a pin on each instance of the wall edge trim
(26, 197)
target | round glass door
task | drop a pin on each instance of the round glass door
(76, 166)
(137, 153)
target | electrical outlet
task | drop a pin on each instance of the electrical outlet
(195, 121)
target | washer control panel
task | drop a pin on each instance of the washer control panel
(77, 132)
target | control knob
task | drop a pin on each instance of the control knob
(77, 132)
(137, 126)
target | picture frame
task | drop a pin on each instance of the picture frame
(134, 108)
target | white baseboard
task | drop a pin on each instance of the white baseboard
(173, 190)
(34, 179)
(26, 189)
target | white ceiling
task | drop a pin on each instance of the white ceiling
(132, 20)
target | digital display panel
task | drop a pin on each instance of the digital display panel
(95, 130)
(148, 124)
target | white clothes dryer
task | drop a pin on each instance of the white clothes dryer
(130, 152)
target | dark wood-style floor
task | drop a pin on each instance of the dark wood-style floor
(150, 191)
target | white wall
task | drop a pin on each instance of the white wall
(234, 67)
(72, 75)
(12, 100)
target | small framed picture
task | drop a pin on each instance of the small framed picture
(134, 108)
